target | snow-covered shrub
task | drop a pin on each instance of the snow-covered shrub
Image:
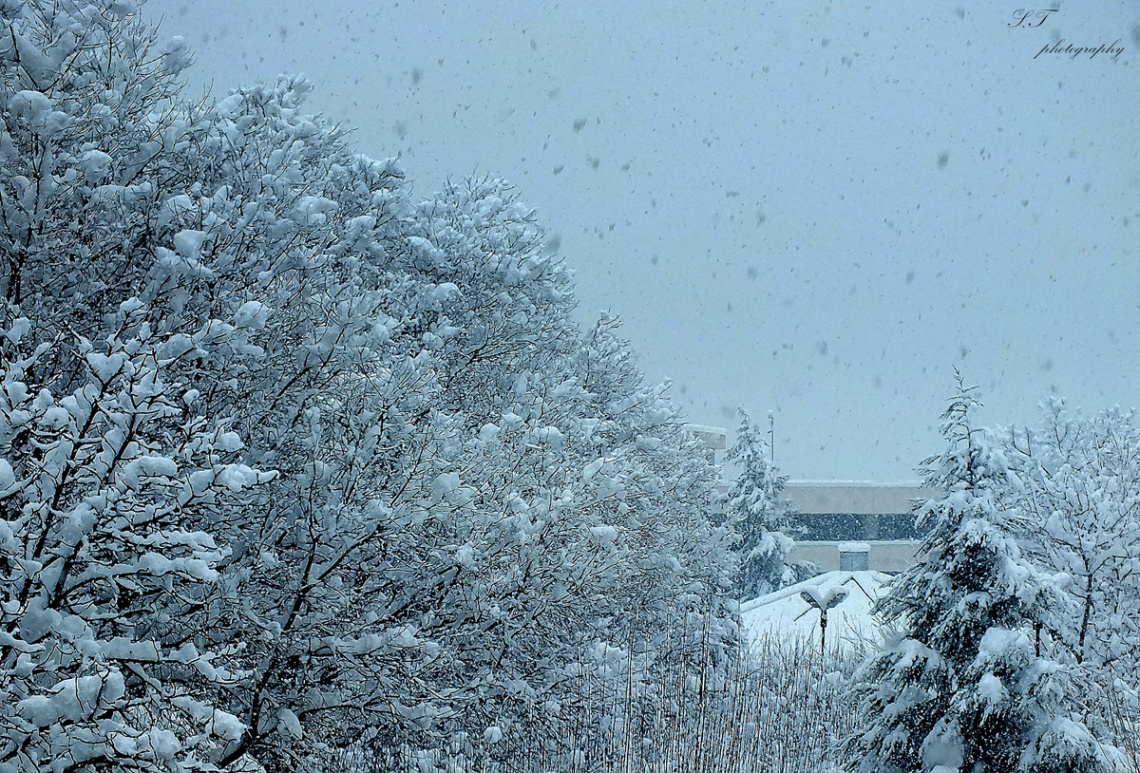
(1080, 491)
(779, 709)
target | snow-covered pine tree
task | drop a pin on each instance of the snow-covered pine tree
(756, 508)
(961, 687)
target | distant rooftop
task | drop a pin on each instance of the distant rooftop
(706, 428)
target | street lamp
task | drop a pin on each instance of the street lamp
(822, 599)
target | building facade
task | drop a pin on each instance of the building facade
(856, 516)
(842, 524)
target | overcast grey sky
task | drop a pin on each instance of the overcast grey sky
(811, 209)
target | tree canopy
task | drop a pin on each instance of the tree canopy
(291, 465)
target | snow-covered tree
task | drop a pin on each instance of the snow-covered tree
(110, 570)
(470, 497)
(1081, 498)
(253, 242)
(756, 508)
(962, 687)
(587, 521)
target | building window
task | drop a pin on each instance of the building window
(844, 527)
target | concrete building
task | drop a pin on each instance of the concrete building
(842, 525)
(854, 524)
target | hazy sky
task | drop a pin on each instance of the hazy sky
(803, 208)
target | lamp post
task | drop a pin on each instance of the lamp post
(822, 599)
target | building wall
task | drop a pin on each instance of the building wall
(853, 496)
(714, 439)
(890, 557)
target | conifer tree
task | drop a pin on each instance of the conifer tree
(756, 509)
(961, 687)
